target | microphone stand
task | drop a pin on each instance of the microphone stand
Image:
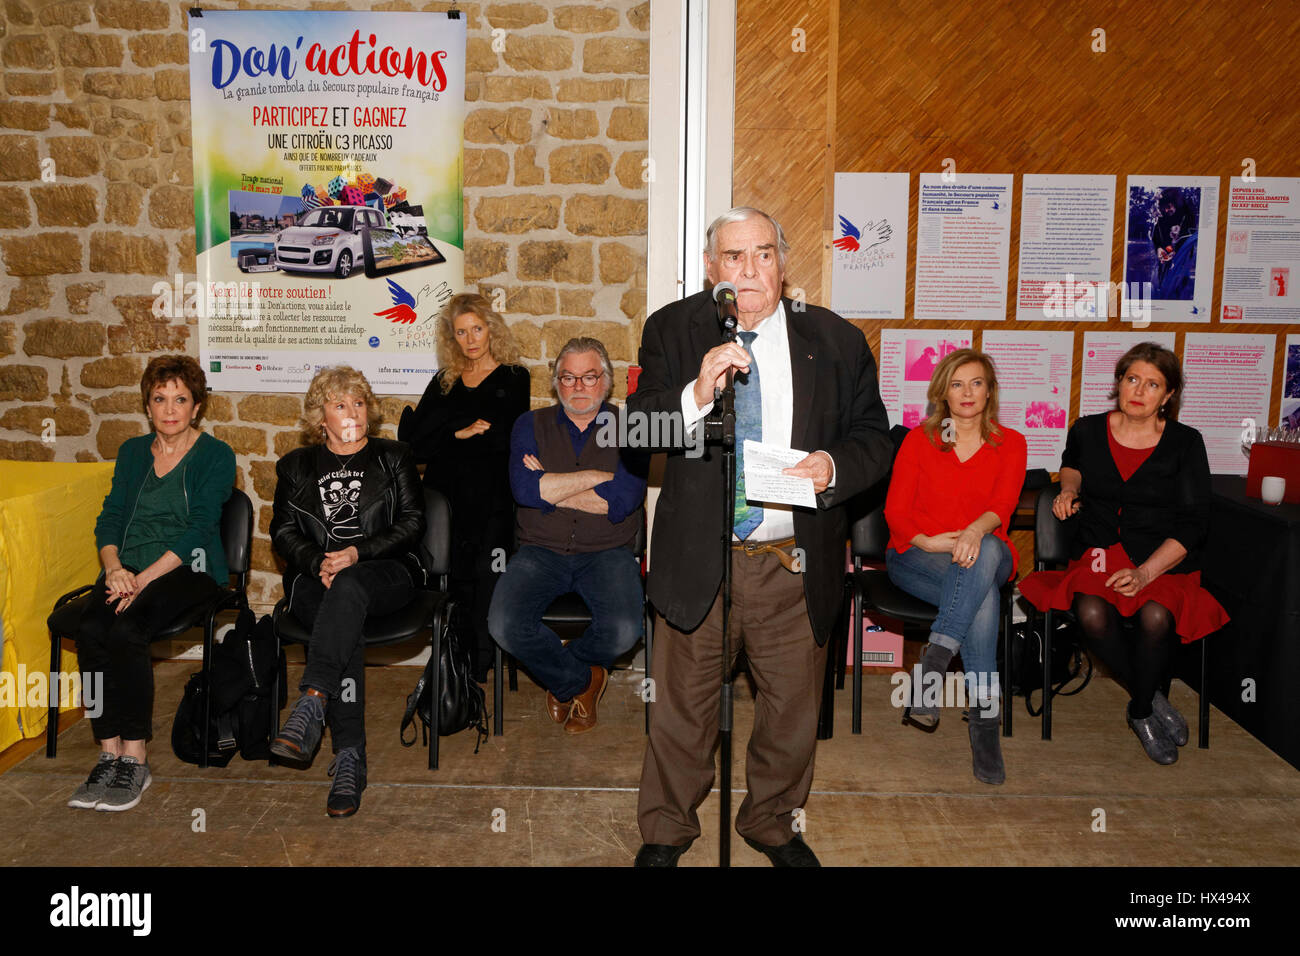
(720, 429)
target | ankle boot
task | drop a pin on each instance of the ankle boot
(985, 747)
(934, 660)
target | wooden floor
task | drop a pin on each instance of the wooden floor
(536, 797)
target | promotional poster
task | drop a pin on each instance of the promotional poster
(327, 194)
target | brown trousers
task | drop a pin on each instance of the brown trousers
(769, 621)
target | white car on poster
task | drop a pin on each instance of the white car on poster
(326, 239)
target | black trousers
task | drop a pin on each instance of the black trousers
(336, 656)
(116, 646)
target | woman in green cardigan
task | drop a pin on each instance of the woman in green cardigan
(159, 540)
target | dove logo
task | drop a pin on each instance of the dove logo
(871, 235)
(403, 309)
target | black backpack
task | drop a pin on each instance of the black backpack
(1070, 660)
(462, 702)
(241, 671)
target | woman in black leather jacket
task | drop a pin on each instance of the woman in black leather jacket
(348, 518)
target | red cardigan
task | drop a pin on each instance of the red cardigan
(931, 492)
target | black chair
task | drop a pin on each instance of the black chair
(427, 609)
(870, 588)
(1052, 550)
(568, 615)
(236, 537)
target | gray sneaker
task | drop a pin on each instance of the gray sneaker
(298, 739)
(92, 791)
(1174, 723)
(130, 780)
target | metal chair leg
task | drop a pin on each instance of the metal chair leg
(513, 667)
(826, 718)
(55, 689)
(1047, 675)
(857, 660)
(497, 694)
(1203, 728)
(435, 689)
(1004, 684)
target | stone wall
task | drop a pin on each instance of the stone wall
(96, 206)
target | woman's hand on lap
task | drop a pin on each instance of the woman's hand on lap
(1129, 581)
(336, 561)
(936, 543)
(1065, 504)
(966, 547)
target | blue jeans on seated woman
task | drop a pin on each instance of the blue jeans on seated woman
(967, 599)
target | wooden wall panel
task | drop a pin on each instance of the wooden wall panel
(1184, 88)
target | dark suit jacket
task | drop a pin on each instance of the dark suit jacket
(837, 409)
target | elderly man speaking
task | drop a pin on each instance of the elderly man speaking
(809, 383)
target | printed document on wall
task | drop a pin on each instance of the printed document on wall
(1034, 388)
(963, 246)
(869, 261)
(1229, 379)
(1066, 226)
(1169, 245)
(1101, 353)
(907, 360)
(1291, 384)
(1262, 263)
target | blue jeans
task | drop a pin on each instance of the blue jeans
(610, 584)
(967, 599)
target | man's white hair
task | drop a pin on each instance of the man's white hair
(740, 214)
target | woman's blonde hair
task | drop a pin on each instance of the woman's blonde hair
(336, 381)
(501, 343)
(938, 396)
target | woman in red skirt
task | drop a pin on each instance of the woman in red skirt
(1135, 486)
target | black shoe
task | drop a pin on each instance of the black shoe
(349, 772)
(1151, 732)
(934, 660)
(660, 854)
(298, 739)
(1174, 723)
(794, 853)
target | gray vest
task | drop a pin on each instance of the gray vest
(565, 530)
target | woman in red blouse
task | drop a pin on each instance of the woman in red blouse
(955, 483)
(1135, 490)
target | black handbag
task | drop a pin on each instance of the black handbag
(1070, 661)
(461, 702)
(241, 672)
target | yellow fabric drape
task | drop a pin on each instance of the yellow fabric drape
(47, 548)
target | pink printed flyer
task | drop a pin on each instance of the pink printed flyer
(327, 193)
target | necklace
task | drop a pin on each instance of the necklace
(344, 463)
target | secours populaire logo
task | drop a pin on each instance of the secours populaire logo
(867, 247)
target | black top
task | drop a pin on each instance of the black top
(1167, 497)
(471, 472)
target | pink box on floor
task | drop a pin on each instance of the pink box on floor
(882, 637)
(882, 642)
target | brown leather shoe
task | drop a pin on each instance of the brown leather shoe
(583, 715)
(558, 709)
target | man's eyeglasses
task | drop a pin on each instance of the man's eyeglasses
(569, 380)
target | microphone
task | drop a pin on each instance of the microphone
(724, 294)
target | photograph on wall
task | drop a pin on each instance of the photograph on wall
(963, 247)
(1066, 232)
(1169, 248)
(1262, 261)
(1101, 353)
(1228, 379)
(907, 360)
(327, 193)
(1034, 388)
(1290, 413)
(869, 257)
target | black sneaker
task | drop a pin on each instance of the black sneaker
(298, 739)
(130, 780)
(91, 792)
(348, 768)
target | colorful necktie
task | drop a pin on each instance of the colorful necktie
(749, 425)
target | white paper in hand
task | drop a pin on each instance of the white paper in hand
(764, 481)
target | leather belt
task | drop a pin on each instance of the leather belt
(782, 549)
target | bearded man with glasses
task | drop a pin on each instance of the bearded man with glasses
(579, 511)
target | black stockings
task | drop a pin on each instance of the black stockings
(1142, 660)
